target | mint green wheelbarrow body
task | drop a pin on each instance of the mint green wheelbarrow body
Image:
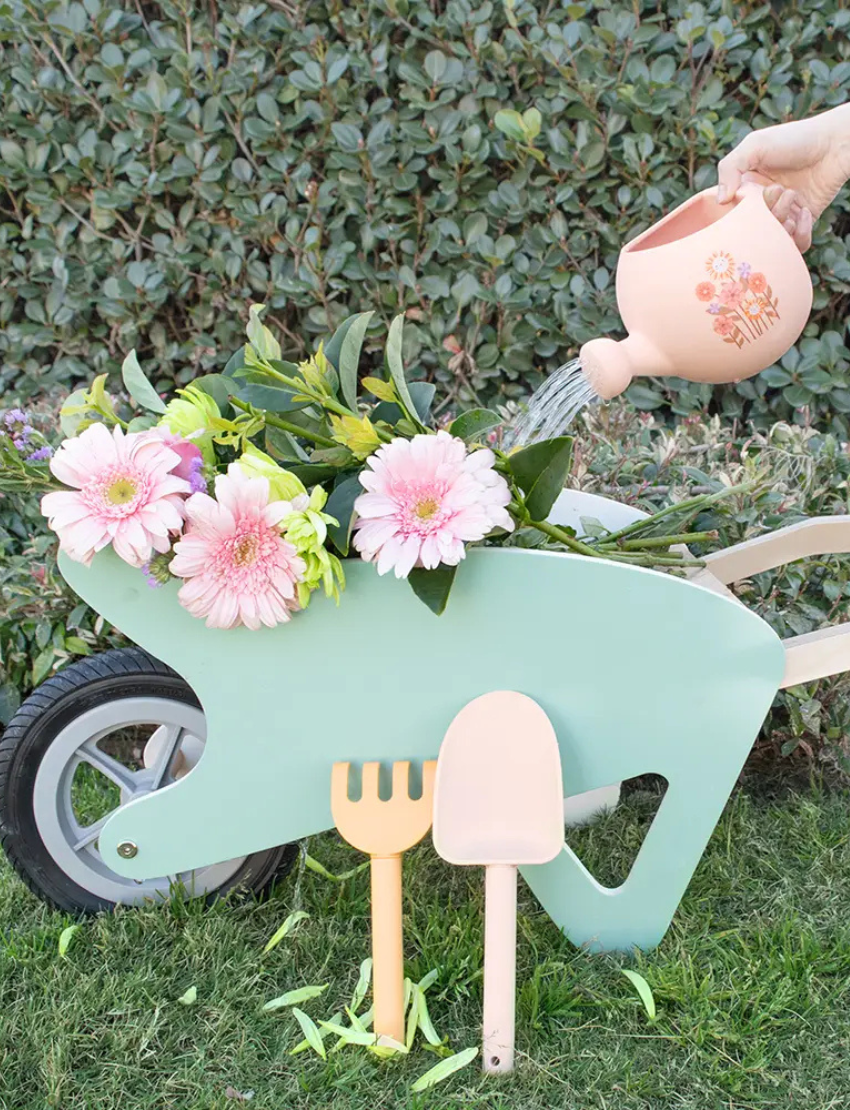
(638, 671)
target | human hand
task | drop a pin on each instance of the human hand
(802, 165)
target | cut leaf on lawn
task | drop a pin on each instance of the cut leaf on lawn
(643, 989)
(286, 928)
(444, 1069)
(292, 998)
(311, 1032)
(189, 998)
(65, 938)
(363, 984)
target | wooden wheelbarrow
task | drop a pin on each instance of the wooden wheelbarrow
(638, 671)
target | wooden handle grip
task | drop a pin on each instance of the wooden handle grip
(387, 947)
(499, 969)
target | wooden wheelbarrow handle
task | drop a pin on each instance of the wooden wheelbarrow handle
(815, 654)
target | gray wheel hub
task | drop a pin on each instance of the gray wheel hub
(171, 752)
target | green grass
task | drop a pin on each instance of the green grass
(752, 985)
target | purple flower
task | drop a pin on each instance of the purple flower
(16, 417)
(40, 455)
(744, 269)
(21, 441)
(149, 578)
(197, 482)
(714, 308)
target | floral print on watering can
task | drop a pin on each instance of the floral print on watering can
(738, 297)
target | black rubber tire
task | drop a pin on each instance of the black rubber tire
(121, 673)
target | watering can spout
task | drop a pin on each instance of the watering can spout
(610, 366)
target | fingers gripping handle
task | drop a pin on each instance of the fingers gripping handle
(387, 947)
(499, 968)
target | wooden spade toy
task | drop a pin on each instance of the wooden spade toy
(498, 803)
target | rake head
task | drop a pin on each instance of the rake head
(382, 828)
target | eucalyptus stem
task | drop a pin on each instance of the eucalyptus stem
(696, 503)
(633, 558)
(285, 426)
(663, 541)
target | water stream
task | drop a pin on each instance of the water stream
(554, 406)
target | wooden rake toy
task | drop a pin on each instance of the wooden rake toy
(384, 830)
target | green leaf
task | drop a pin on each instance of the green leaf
(387, 1048)
(292, 998)
(349, 1036)
(363, 983)
(435, 65)
(384, 391)
(42, 665)
(424, 1020)
(261, 339)
(444, 1069)
(10, 702)
(510, 123)
(73, 413)
(470, 425)
(644, 397)
(314, 865)
(189, 998)
(302, 1046)
(395, 364)
(216, 386)
(138, 386)
(311, 1032)
(270, 397)
(349, 358)
(412, 1018)
(541, 471)
(234, 363)
(422, 395)
(341, 505)
(531, 122)
(286, 928)
(65, 938)
(643, 989)
(433, 586)
(333, 347)
(313, 474)
(429, 980)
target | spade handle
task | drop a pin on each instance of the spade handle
(387, 947)
(499, 968)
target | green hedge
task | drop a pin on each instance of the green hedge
(164, 164)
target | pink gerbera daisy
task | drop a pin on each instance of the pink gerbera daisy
(238, 567)
(125, 493)
(426, 498)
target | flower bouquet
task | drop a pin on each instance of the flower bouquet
(251, 486)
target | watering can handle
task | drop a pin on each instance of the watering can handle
(813, 655)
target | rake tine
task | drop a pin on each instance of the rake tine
(401, 780)
(370, 779)
(339, 780)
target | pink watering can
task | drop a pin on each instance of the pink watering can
(712, 293)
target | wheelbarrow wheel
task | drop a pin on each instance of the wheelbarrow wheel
(102, 732)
